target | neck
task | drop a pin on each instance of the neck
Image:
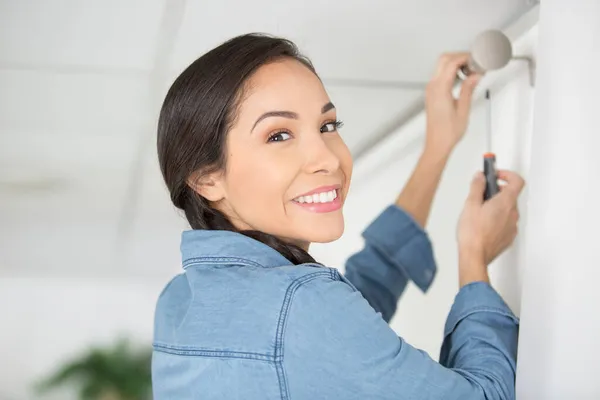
(299, 243)
(240, 225)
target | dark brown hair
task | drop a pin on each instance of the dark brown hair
(196, 115)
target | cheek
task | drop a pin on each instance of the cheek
(257, 184)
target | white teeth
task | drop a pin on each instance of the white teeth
(324, 197)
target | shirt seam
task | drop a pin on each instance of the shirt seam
(197, 352)
(279, 336)
(219, 260)
(226, 261)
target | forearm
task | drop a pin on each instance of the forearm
(417, 196)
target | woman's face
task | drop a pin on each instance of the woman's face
(288, 170)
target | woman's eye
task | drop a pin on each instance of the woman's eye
(331, 126)
(279, 137)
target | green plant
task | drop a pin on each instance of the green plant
(117, 372)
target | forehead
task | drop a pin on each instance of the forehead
(284, 85)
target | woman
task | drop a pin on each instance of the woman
(249, 148)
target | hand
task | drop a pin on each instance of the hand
(486, 229)
(447, 118)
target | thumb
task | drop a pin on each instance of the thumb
(477, 189)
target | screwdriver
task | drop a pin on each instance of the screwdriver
(489, 158)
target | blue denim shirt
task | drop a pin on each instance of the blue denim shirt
(242, 323)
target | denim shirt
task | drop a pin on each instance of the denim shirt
(241, 322)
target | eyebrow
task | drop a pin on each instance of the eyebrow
(289, 114)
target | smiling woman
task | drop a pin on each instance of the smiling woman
(284, 144)
(269, 164)
(249, 147)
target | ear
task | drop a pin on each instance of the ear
(209, 186)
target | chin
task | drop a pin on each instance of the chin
(326, 239)
(325, 232)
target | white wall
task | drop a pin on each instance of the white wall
(559, 349)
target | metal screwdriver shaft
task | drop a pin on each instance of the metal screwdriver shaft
(489, 158)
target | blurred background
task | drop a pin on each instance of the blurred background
(88, 236)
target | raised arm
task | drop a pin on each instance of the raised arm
(447, 121)
(397, 249)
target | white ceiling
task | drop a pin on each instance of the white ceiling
(81, 82)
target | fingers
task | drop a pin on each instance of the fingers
(510, 187)
(448, 65)
(450, 61)
(477, 189)
(445, 77)
(514, 182)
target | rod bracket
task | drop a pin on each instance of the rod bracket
(531, 65)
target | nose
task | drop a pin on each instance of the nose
(320, 156)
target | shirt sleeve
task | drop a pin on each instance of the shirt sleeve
(337, 346)
(397, 250)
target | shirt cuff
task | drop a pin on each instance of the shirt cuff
(400, 239)
(476, 297)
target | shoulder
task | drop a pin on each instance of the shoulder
(328, 318)
(323, 301)
(335, 343)
(234, 306)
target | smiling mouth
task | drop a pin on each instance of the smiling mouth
(322, 197)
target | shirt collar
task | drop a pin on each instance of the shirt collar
(226, 247)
